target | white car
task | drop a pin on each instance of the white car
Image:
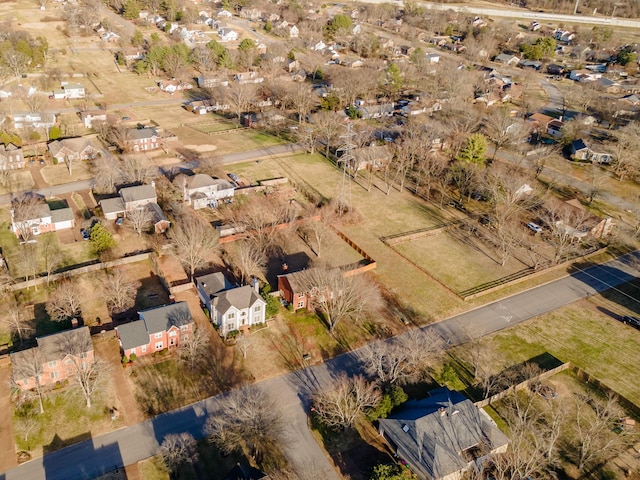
(534, 227)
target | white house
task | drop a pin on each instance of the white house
(34, 120)
(90, 116)
(248, 77)
(73, 90)
(432, 58)
(227, 35)
(202, 191)
(230, 308)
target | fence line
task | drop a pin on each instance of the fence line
(421, 232)
(94, 266)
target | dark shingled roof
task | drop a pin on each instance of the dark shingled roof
(61, 215)
(153, 320)
(140, 133)
(51, 344)
(140, 192)
(432, 434)
(213, 283)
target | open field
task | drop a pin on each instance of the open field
(17, 181)
(232, 141)
(58, 174)
(580, 333)
(455, 261)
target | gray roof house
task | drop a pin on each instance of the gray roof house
(507, 59)
(202, 191)
(442, 435)
(130, 198)
(158, 328)
(230, 308)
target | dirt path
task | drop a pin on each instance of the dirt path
(7, 447)
(108, 349)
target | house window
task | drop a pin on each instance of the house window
(53, 375)
(172, 342)
(143, 349)
(53, 364)
(173, 333)
(159, 345)
(256, 308)
(67, 361)
(301, 304)
(184, 328)
(158, 335)
(184, 338)
(132, 351)
(243, 313)
(84, 355)
(231, 326)
(231, 316)
(301, 295)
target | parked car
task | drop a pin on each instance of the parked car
(234, 177)
(632, 321)
(534, 227)
(85, 234)
(119, 221)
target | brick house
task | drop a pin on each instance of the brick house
(78, 148)
(57, 363)
(230, 308)
(142, 139)
(158, 328)
(292, 290)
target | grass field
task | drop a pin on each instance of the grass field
(17, 181)
(579, 333)
(58, 174)
(232, 141)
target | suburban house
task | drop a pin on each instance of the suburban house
(211, 82)
(579, 150)
(227, 35)
(584, 75)
(73, 90)
(432, 58)
(293, 291)
(563, 36)
(372, 157)
(90, 116)
(159, 220)
(11, 157)
(142, 139)
(130, 198)
(55, 362)
(202, 191)
(375, 111)
(157, 329)
(79, 148)
(230, 308)
(43, 220)
(34, 120)
(507, 59)
(442, 436)
(173, 86)
(247, 77)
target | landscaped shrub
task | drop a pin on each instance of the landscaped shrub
(133, 357)
(124, 360)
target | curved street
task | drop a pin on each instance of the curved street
(129, 445)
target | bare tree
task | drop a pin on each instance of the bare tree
(28, 259)
(244, 344)
(240, 96)
(504, 130)
(211, 165)
(345, 401)
(31, 365)
(192, 350)
(91, 375)
(139, 219)
(177, 449)
(51, 255)
(301, 98)
(247, 418)
(138, 169)
(64, 302)
(328, 128)
(249, 261)
(17, 61)
(625, 149)
(119, 292)
(24, 210)
(36, 102)
(107, 174)
(593, 436)
(565, 224)
(14, 318)
(340, 296)
(27, 426)
(318, 226)
(193, 242)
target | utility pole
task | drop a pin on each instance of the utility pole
(575, 10)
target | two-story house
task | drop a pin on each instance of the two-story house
(202, 191)
(130, 198)
(79, 148)
(54, 359)
(230, 308)
(11, 157)
(293, 291)
(142, 139)
(158, 328)
(34, 120)
(73, 90)
(90, 116)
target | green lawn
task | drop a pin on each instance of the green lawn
(578, 333)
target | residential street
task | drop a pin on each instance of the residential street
(258, 153)
(129, 445)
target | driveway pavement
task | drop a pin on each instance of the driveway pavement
(129, 445)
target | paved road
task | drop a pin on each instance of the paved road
(129, 445)
(556, 99)
(522, 13)
(230, 159)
